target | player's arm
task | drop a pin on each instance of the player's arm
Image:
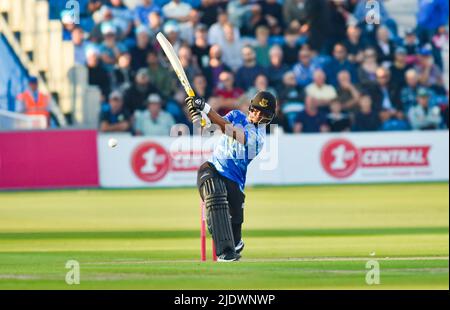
(226, 127)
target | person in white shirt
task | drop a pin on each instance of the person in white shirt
(153, 121)
(318, 90)
(178, 10)
(422, 116)
(216, 33)
(231, 48)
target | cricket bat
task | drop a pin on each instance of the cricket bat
(179, 71)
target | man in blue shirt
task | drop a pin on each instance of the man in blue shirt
(221, 180)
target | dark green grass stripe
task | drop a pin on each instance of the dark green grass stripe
(256, 233)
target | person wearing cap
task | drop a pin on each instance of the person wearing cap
(114, 117)
(136, 96)
(34, 102)
(422, 116)
(140, 51)
(97, 74)
(411, 44)
(429, 73)
(177, 10)
(110, 49)
(154, 121)
(398, 71)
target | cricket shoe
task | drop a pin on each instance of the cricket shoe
(240, 246)
(229, 257)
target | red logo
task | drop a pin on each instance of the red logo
(340, 158)
(150, 162)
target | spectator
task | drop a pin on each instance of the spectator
(368, 68)
(304, 70)
(355, 44)
(160, 77)
(291, 98)
(123, 75)
(210, 11)
(115, 118)
(440, 43)
(200, 48)
(142, 12)
(226, 95)
(34, 102)
(155, 25)
(321, 92)
(110, 49)
(273, 14)
(200, 86)
(385, 47)
(97, 74)
(80, 46)
(187, 29)
(231, 48)
(135, 97)
(153, 121)
(177, 10)
(246, 75)
(430, 16)
(429, 73)
(68, 23)
(216, 33)
(291, 47)
(239, 12)
(262, 46)
(294, 10)
(122, 18)
(261, 84)
(347, 93)
(189, 65)
(412, 46)
(255, 21)
(422, 116)
(277, 67)
(216, 66)
(408, 94)
(338, 63)
(140, 51)
(398, 71)
(366, 119)
(338, 121)
(172, 32)
(101, 17)
(311, 120)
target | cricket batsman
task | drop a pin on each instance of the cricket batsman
(221, 180)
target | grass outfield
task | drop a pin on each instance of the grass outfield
(296, 238)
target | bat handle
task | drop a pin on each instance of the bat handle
(195, 115)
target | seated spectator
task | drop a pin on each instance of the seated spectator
(412, 46)
(200, 86)
(311, 120)
(246, 75)
(187, 61)
(322, 93)
(226, 95)
(111, 48)
(408, 94)
(154, 121)
(115, 118)
(123, 75)
(440, 42)
(101, 17)
(142, 12)
(397, 72)
(385, 47)
(155, 25)
(304, 69)
(277, 67)
(291, 47)
(261, 84)
(122, 18)
(135, 97)
(80, 46)
(429, 73)
(97, 74)
(200, 48)
(294, 10)
(291, 99)
(69, 24)
(216, 33)
(187, 29)
(338, 63)
(160, 77)
(177, 10)
(172, 31)
(210, 11)
(338, 121)
(366, 119)
(239, 12)
(355, 44)
(367, 69)
(422, 116)
(231, 48)
(272, 10)
(262, 46)
(347, 93)
(256, 20)
(215, 67)
(140, 51)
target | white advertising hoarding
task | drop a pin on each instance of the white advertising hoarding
(286, 159)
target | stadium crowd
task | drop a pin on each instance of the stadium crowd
(332, 68)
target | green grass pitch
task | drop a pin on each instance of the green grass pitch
(310, 237)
